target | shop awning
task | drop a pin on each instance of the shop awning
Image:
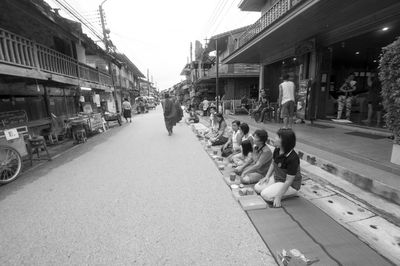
(329, 20)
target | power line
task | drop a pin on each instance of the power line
(77, 16)
(212, 16)
(82, 17)
(223, 18)
(217, 15)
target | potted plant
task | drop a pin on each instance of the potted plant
(390, 79)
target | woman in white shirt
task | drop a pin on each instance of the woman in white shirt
(233, 144)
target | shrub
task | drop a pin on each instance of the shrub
(390, 78)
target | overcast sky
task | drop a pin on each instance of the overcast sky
(156, 34)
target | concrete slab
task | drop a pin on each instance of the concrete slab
(312, 190)
(381, 235)
(368, 200)
(342, 209)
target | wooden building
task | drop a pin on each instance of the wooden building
(43, 63)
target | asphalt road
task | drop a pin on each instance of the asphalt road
(130, 196)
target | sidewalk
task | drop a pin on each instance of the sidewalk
(322, 222)
(361, 160)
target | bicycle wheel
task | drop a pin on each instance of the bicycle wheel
(10, 164)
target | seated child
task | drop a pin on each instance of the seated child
(246, 135)
(245, 156)
(283, 178)
(252, 171)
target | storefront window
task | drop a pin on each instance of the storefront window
(354, 64)
(34, 106)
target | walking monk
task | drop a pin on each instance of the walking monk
(169, 114)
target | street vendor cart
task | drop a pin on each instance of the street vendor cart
(13, 130)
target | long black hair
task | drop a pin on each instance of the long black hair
(288, 139)
(219, 115)
(246, 147)
(244, 128)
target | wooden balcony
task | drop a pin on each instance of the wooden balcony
(277, 11)
(234, 70)
(22, 57)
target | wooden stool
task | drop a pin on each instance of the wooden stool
(35, 145)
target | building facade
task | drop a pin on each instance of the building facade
(318, 43)
(49, 67)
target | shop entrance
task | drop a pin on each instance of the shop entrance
(358, 56)
(298, 68)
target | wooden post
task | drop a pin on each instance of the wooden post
(35, 62)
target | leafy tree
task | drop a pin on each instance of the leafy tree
(390, 79)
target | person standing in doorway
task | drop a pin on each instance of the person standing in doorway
(374, 99)
(346, 96)
(206, 105)
(287, 101)
(169, 114)
(127, 110)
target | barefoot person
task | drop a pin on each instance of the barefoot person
(283, 178)
(127, 110)
(169, 114)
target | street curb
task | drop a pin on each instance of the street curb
(361, 129)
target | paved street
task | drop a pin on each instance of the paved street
(131, 196)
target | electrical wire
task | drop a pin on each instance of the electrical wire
(212, 16)
(76, 16)
(219, 13)
(82, 17)
(222, 18)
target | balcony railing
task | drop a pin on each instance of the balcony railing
(237, 69)
(19, 51)
(277, 11)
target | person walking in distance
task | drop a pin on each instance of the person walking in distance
(287, 101)
(127, 110)
(169, 114)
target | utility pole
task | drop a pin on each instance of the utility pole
(148, 83)
(191, 52)
(217, 73)
(103, 26)
(106, 44)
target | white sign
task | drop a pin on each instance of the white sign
(11, 134)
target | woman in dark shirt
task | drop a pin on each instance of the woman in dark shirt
(286, 180)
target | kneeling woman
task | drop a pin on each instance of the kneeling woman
(221, 137)
(283, 178)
